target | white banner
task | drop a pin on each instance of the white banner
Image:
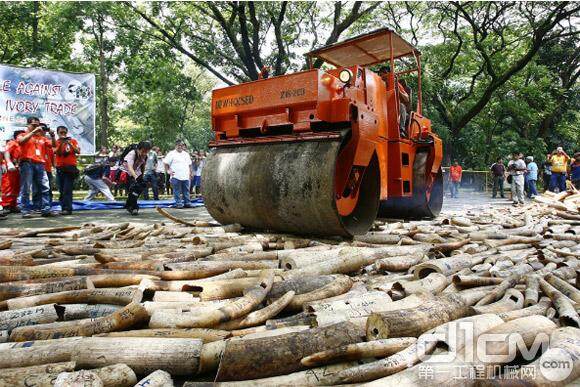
(55, 97)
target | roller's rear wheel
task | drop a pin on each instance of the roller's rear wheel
(426, 202)
(285, 187)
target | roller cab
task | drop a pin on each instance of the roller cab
(319, 151)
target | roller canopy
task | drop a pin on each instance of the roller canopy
(365, 50)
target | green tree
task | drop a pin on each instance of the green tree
(234, 40)
(163, 93)
(37, 33)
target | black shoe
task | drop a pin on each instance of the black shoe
(66, 212)
(10, 211)
(187, 206)
(133, 211)
(49, 214)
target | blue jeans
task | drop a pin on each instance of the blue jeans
(66, 182)
(454, 188)
(558, 180)
(50, 186)
(152, 179)
(180, 192)
(498, 185)
(532, 190)
(33, 179)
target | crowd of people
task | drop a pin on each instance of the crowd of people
(522, 174)
(30, 157)
(156, 177)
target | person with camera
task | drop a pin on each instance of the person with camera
(33, 178)
(559, 161)
(134, 164)
(66, 150)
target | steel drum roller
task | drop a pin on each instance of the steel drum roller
(285, 187)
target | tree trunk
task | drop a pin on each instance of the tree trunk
(35, 10)
(104, 81)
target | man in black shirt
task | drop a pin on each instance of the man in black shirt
(498, 173)
(97, 178)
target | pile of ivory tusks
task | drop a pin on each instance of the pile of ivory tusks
(195, 301)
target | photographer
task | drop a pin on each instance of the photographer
(66, 150)
(33, 177)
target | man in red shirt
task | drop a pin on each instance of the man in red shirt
(11, 177)
(455, 172)
(33, 177)
(66, 151)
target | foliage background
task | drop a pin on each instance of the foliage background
(498, 76)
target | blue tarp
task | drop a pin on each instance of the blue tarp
(86, 205)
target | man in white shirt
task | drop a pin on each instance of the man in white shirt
(178, 166)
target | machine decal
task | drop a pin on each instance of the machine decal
(292, 93)
(229, 102)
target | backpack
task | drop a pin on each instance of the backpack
(126, 151)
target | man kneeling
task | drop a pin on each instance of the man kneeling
(97, 178)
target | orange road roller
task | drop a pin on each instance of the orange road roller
(326, 151)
